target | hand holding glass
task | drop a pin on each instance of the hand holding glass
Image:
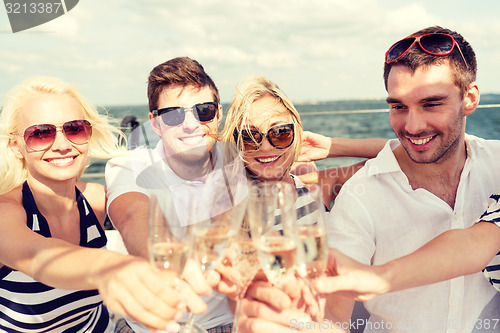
(168, 241)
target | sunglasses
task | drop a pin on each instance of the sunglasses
(438, 44)
(42, 136)
(279, 136)
(174, 116)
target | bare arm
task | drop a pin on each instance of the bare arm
(338, 311)
(453, 253)
(317, 147)
(129, 213)
(331, 180)
(128, 285)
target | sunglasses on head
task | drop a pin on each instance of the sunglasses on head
(438, 44)
(42, 136)
(175, 115)
(279, 136)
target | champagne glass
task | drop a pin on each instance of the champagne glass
(274, 230)
(313, 249)
(168, 241)
(217, 217)
(245, 264)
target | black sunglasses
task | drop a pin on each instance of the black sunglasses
(438, 44)
(175, 115)
(279, 136)
(42, 136)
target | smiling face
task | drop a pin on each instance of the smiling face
(268, 162)
(190, 141)
(63, 160)
(427, 112)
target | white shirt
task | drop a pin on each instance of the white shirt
(147, 170)
(378, 217)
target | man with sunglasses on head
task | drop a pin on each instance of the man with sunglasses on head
(185, 112)
(433, 178)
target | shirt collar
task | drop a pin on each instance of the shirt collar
(385, 161)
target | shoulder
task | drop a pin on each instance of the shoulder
(129, 164)
(13, 196)
(135, 156)
(95, 194)
(11, 205)
(477, 143)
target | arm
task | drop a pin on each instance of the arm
(129, 213)
(451, 254)
(316, 147)
(331, 180)
(128, 285)
(128, 203)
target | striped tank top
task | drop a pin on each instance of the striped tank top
(492, 215)
(30, 306)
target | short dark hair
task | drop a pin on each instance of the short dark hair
(463, 74)
(181, 71)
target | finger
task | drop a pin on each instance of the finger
(227, 288)
(193, 275)
(213, 278)
(264, 292)
(130, 307)
(254, 309)
(333, 284)
(231, 255)
(194, 303)
(229, 273)
(308, 295)
(310, 300)
(293, 287)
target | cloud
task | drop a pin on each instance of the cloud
(317, 49)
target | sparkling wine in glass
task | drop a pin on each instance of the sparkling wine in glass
(169, 242)
(245, 264)
(313, 248)
(274, 226)
(216, 218)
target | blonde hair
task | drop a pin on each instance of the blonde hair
(103, 143)
(248, 91)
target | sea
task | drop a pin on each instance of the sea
(357, 119)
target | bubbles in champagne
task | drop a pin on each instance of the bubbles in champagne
(278, 257)
(313, 252)
(210, 244)
(169, 256)
(247, 260)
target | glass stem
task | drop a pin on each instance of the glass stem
(239, 299)
(189, 323)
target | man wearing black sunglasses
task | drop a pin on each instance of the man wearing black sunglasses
(185, 112)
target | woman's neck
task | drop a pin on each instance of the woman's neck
(53, 197)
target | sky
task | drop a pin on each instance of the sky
(315, 50)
